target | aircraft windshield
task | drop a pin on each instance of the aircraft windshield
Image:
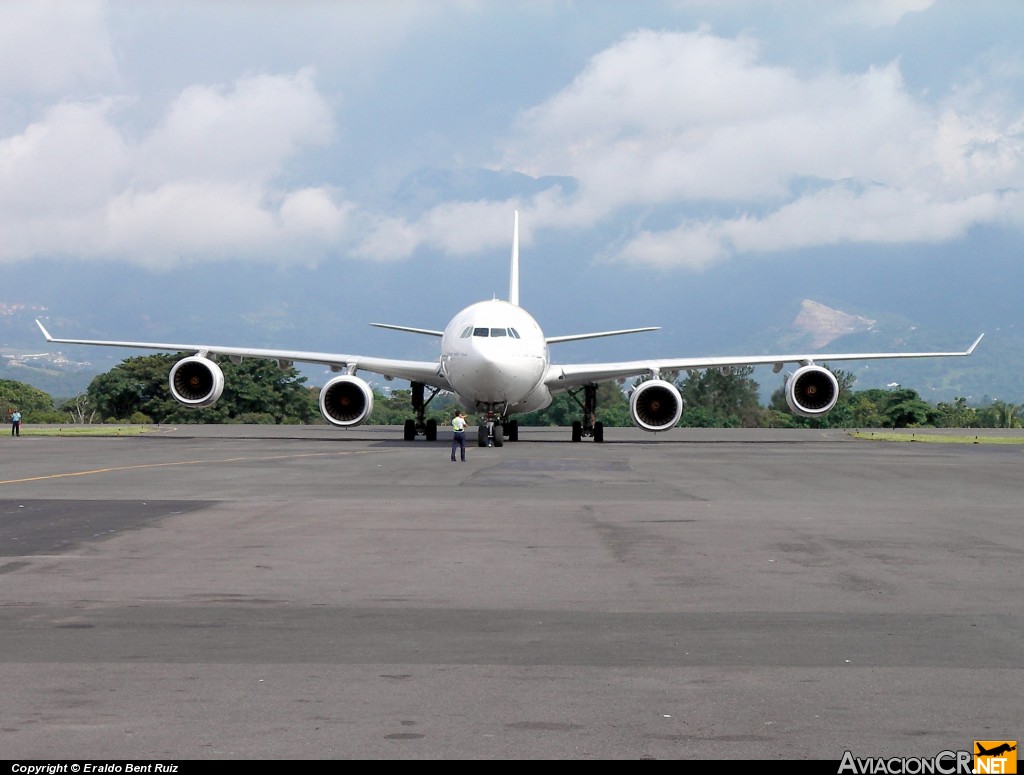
(491, 332)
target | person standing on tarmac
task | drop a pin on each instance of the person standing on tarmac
(459, 435)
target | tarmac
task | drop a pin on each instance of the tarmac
(312, 593)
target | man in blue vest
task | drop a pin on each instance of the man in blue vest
(459, 435)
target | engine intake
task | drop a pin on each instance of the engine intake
(196, 381)
(346, 401)
(655, 405)
(812, 391)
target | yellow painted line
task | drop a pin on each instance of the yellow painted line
(94, 471)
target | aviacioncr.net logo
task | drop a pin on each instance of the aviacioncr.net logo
(943, 763)
(995, 757)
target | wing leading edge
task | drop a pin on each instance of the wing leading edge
(427, 372)
(564, 376)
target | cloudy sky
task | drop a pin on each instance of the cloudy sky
(676, 138)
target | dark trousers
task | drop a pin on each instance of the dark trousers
(16, 428)
(459, 442)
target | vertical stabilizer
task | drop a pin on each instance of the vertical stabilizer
(513, 283)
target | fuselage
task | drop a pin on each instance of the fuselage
(495, 358)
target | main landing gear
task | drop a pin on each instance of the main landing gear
(421, 425)
(587, 427)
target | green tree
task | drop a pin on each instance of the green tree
(613, 405)
(79, 409)
(905, 409)
(864, 411)
(256, 390)
(562, 411)
(955, 415)
(396, 407)
(565, 408)
(720, 398)
(33, 403)
(391, 409)
(999, 414)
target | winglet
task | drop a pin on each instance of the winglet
(45, 332)
(513, 283)
(976, 341)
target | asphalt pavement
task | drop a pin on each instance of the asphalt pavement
(286, 592)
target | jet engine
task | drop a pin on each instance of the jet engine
(346, 401)
(655, 405)
(196, 381)
(812, 391)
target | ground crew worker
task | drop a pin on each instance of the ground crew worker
(459, 435)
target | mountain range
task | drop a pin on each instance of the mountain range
(863, 297)
(276, 310)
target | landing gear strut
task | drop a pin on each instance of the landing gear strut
(491, 432)
(588, 426)
(494, 432)
(421, 425)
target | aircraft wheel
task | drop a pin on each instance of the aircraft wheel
(431, 430)
(499, 438)
(481, 436)
(577, 431)
(410, 430)
(512, 430)
(599, 432)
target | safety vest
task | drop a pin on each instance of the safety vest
(458, 425)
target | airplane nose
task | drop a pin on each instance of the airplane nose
(497, 376)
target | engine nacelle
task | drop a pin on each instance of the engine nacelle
(812, 391)
(655, 405)
(346, 401)
(196, 381)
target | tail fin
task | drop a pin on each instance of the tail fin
(513, 283)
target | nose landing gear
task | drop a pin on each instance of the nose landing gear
(493, 432)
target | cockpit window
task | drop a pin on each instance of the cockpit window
(491, 332)
(466, 332)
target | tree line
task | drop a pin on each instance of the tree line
(260, 392)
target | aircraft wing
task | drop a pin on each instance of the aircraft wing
(427, 372)
(427, 331)
(566, 376)
(598, 334)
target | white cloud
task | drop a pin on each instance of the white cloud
(879, 13)
(677, 119)
(683, 116)
(314, 215)
(49, 46)
(247, 131)
(456, 228)
(204, 183)
(734, 153)
(180, 221)
(831, 217)
(693, 245)
(71, 159)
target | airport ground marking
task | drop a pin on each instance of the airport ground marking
(111, 469)
(937, 438)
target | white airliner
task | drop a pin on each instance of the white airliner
(496, 361)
